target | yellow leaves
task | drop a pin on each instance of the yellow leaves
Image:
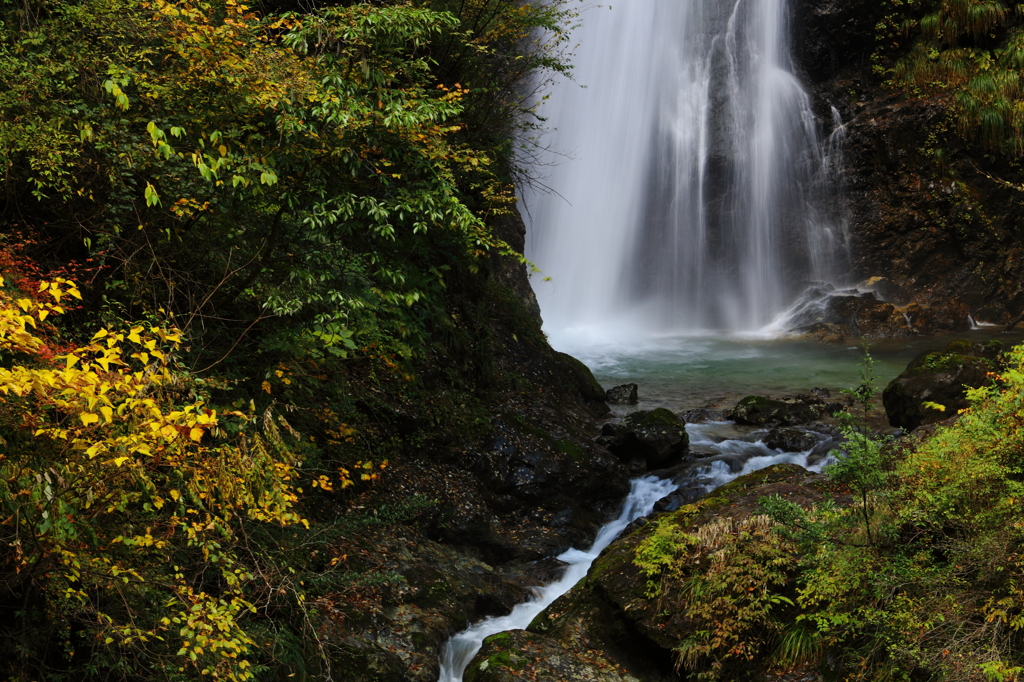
(113, 436)
(368, 473)
(323, 483)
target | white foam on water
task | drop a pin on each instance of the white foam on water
(460, 649)
(746, 457)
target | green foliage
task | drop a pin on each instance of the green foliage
(859, 463)
(971, 53)
(728, 579)
(937, 595)
(658, 555)
(331, 168)
(306, 194)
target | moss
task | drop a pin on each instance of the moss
(962, 346)
(585, 382)
(755, 402)
(656, 417)
(504, 659)
(507, 304)
(419, 640)
(939, 361)
(956, 353)
(567, 447)
(773, 474)
(502, 638)
(994, 346)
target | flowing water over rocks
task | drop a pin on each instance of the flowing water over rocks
(724, 452)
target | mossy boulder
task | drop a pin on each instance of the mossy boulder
(759, 410)
(583, 381)
(939, 377)
(612, 618)
(658, 437)
(790, 439)
(521, 656)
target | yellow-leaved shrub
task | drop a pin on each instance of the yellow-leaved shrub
(122, 493)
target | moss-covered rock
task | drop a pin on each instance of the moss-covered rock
(658, 437)
(940, 377)
(759, 410)
(521, 656)
(614, 619)
(790, 439)
(584, 382)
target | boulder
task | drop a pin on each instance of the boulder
(658, 437)
(622, 395)
(585, 383)
(826, 332)
(939, 377)
(521, 656)
(878, 319)
(611, 620)
(849, 314)
(758, 410)
(886, 289)
(701, 415)
(789, 439)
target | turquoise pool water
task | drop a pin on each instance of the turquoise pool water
(683, 372)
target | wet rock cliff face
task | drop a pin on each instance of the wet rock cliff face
(926, 210)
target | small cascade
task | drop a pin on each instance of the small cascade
(975, 325)
(731, 452)
(700, 192)
(460, 649)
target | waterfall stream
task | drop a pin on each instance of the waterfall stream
(729, 452)
(460, 649)
(689, 187)
(698, 191)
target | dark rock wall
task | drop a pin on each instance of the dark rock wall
(926, 210)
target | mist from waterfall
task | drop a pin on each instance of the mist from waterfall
(690, 187)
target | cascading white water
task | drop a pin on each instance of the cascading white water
(698, 193)
(460, 649)
(734, 454)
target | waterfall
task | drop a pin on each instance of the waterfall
(691, 188)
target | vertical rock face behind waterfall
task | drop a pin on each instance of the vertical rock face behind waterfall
(948, 233)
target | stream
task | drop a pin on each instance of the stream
(729, 451)
(686, 371)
